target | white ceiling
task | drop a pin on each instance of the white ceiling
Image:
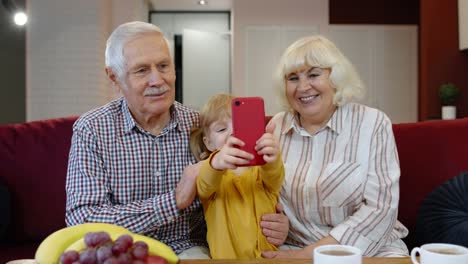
(191, 5)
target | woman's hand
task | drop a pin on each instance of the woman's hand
(275, 226)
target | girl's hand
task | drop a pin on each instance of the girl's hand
(230, 157)
(268, 145)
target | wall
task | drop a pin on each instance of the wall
(124, 11)
(261, 35)
(301, 13)
(65, 53)
(440, 58)
(12, 69)
(65, 40)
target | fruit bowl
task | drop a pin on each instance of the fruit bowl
(102, 243)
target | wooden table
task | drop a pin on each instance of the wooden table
(293, 261)
(261, 261)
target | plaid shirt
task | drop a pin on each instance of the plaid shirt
(119, 173)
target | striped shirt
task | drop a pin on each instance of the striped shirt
(119, 173)
(342, 181)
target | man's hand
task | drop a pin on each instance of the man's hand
(186, 189)
(275, 226)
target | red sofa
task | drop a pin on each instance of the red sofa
(33, 164)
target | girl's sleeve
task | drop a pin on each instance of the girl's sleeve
(208, 179)
(273, 175)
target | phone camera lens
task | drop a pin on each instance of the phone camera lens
(237, 103)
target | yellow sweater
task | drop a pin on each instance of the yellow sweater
(233, 206)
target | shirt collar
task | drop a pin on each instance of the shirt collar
(130, 124)
(337, 120)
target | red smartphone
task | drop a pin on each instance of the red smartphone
(248, 123)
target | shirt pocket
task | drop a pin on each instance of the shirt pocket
(341, 184)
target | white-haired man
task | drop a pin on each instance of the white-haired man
(130, 160)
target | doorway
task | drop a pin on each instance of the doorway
(202, 47)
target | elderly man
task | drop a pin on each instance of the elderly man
(130, 162)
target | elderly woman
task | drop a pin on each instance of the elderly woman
(341, 161)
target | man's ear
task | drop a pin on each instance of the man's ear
(111, 75)
(113, 79)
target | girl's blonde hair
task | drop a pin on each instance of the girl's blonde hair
(217, 108)
(318, 51)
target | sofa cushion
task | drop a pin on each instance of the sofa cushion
(443, 215)
(430, 153)
(12, 251)
(5, 209)
(33, 165)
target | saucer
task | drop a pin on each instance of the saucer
(22, 261)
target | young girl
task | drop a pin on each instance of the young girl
(234, 198)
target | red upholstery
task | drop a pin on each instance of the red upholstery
(430, 153)
(33, 164)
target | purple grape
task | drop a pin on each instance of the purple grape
(94, 239)
(68, 257)
(140, 252)
(101, 238)
(126, 240)
(90, 239)
(104, 252)
(111, 260)
(122, 244)
(140, 244)
(118, 249)
(88, 256)
(125, 258)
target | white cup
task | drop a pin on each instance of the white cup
(440, 254)
(337, 254)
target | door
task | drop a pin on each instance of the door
(206, 64)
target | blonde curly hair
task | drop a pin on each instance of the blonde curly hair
(318, 51)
